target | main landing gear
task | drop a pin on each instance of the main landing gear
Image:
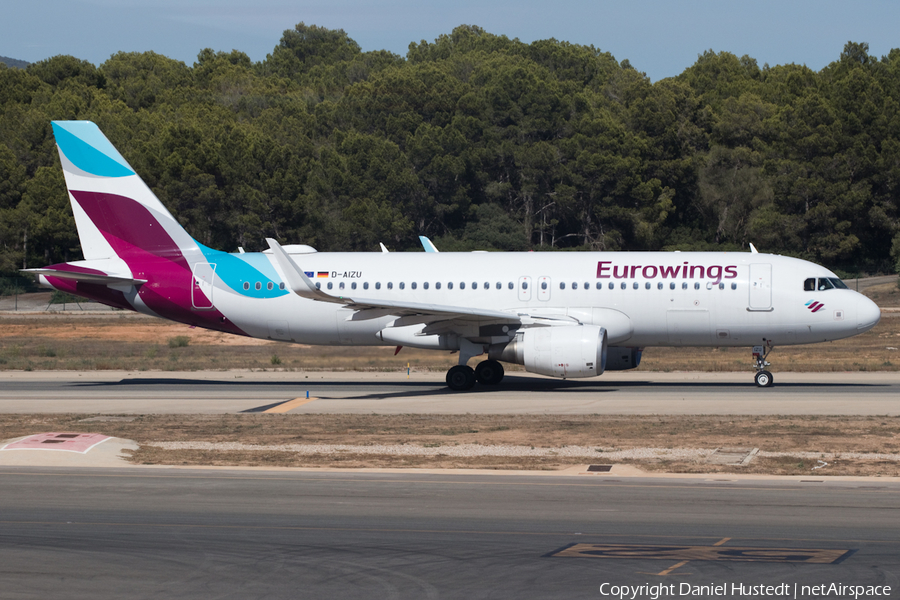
(763, 378)
(463, 377)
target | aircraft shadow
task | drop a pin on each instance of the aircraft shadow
(510, 383)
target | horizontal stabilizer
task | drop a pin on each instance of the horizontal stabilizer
(98, 277)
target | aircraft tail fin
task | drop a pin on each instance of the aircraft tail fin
(117, 215)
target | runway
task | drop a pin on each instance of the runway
(154, 533)
(426, 393)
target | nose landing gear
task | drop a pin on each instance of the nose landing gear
(763, 377)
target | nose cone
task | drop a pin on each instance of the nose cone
(867, 314)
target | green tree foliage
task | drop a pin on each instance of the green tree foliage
(476, 140)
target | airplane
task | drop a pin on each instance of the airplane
(560, 315)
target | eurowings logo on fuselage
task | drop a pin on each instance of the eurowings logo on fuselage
(606, 270)
(814, 306)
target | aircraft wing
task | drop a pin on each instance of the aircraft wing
(412, 312)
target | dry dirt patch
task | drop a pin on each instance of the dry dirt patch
(126, 342)
(796, 436)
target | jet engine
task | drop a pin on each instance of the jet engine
(569, 351)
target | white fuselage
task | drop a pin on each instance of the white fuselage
(643, 299)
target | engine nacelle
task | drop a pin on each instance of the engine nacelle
(570, 351)
(619, 358)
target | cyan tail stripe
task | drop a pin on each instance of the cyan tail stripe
(83, 143)
(234, 270)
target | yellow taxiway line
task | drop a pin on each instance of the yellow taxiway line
(289, 405)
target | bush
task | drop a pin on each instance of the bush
(179, 341)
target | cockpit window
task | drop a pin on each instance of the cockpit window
(838, 283)
(825, 284)
(809, 285)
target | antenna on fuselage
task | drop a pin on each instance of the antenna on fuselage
(753, 249)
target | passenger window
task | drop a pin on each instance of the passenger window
(734, 286)
(462, 285)
(721, 286)
(474, 285)
(413, 285)
(487, 285)
(330, 285)
(425, 286)
(449, 285)
(402, 285)
(574, 285)
(624, 286)
(672, 285)
(353, 286)
(269, 286)
(562, 286)
(259, 285)
(246, 285)
(599, 286)
(809, 285)
(377, 285)
(635, 285)
(612, 286)
(659, 285)
(524, 285)
(684, 285)
(281, 286)
(341, 285)
(365, 285)
(709, 285)
(390, 285)
(587, 286)
(499, 286)
(318, 285)
(511, 285)
(437, 285)
(697, 285)
(647, 286)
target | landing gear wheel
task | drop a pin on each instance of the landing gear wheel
(489, 372)
(760, 353)
(460, 378)
(764, 379)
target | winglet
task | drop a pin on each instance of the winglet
(297, 279)
(427, 244)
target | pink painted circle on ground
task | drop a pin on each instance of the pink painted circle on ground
(66, 442)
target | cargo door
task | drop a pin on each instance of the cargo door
(202, 286)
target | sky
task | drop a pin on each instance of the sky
(659, 37)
